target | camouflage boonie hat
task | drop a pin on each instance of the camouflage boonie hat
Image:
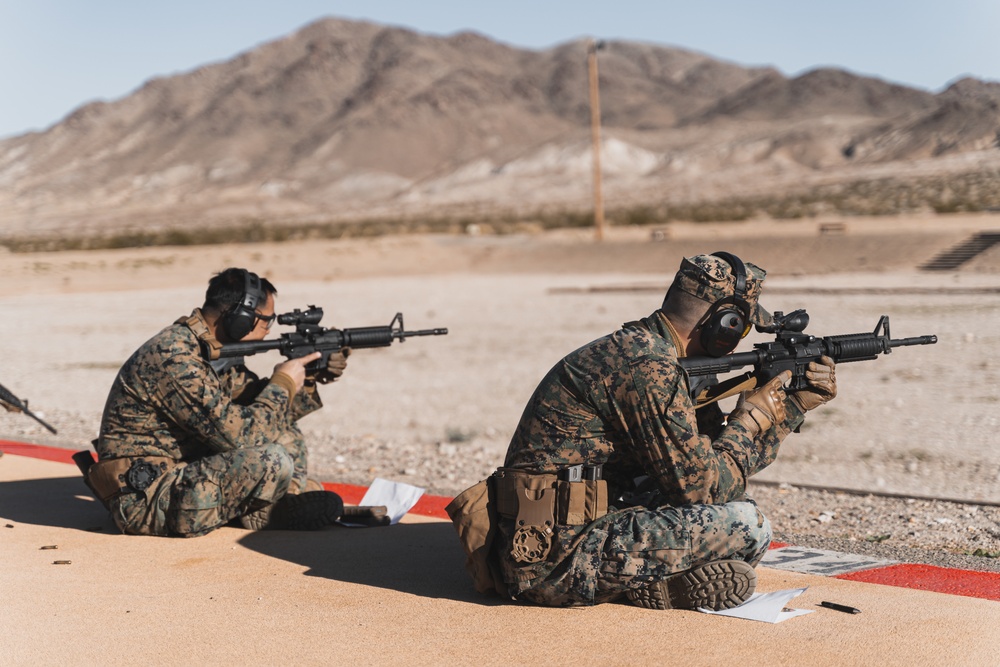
(711, 278)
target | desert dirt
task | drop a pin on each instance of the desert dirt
(438, 412)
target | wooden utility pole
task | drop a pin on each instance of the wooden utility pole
(595, 135)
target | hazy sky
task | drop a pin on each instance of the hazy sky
(58, 54)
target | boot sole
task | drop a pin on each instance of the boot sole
(717, 585)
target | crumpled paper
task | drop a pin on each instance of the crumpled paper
(765, 607)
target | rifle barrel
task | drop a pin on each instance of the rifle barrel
(422, 332)
(10, 399)
(916, 340)
(41, 421)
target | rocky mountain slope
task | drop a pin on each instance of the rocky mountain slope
(349, 120)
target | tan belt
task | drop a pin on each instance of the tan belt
(572, 503)
(111, 478)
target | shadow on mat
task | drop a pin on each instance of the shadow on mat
(60, 502)
(422, 559)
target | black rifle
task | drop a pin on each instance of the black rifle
(310, 337)
(13, 404)
(792, 350)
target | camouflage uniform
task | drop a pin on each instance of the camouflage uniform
(624, 402)
(232, 435)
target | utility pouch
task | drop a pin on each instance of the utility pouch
(84, 460)
(581, 502)
(474, 514)
(113, 477)
(535, 520)
(539, 501)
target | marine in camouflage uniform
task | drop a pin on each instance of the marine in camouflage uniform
(227, 440)
(624, 403)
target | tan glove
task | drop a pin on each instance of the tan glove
(822, 378)
(334, 367)
(764, 407)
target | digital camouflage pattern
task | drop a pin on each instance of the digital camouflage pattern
(711, 279)
(631, 548)
(623, 402)
(202, 495)
(232, 434)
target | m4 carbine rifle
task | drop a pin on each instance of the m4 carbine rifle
(310, 337)
(792, 350)
(13, 404)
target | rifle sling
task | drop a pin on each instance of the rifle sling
(210, 345)
(725, 389)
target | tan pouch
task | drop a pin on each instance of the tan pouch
(107, 478)
(582, 502)
(473, 512)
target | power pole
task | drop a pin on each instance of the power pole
(595, 135)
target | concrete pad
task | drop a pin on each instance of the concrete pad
(392, 596)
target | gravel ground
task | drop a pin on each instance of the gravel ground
(439, 412)
(948, 534)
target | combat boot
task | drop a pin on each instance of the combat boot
(304, 511)
(720, 584)
(310, 484)
(314, 485)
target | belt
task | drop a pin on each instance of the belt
(572, 497)
(111, 478)
(581, 472)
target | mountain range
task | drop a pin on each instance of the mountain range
(347, 120)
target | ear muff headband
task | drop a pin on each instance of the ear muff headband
(739, 271)
(240, 320)
(728, 320)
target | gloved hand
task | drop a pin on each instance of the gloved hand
(334, 367)
(822, 378)
(764, 407)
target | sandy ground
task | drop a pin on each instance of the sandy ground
(438, 412)
(76, 592)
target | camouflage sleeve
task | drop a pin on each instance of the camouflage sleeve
(306, 401)
(769, 441)
(753, 455)
(246, 385)
(710, 420)
(689, 466)
(191, 395)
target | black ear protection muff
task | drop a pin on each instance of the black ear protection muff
(240, 320)
(728, 320)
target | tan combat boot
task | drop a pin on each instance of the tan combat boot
(310, 485)
(304, 511)
(314, 485)
(720, 584)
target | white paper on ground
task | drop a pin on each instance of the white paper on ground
(397, 497)
(766, 607)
